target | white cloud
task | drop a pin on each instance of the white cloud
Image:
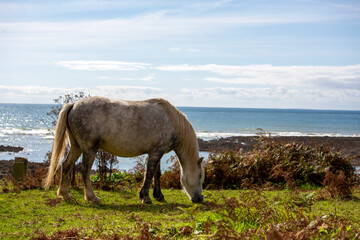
(103, 65)
(47, 94)
(192, 50)
(110, 89)
(272, 97)
(150, 26)
(32, 90)
(126, 92)
(33, 94)
(269, 75)
(115, 78)
(73, 6)
(332, 77)
(217, 93)
(147, 79)
(174, 49)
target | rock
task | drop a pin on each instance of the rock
(19, 168)
(10, 149)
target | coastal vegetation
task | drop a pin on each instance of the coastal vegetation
(276, 191)
(225, 214)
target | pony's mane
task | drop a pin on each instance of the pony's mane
(187, 136)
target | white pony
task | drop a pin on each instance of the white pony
(126, 129)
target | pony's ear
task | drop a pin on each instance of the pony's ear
(200, 161)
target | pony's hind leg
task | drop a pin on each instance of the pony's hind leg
(87, 162)
(66, 167)
(157, 190)
(153, 162)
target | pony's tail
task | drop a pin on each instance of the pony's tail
(59, 144)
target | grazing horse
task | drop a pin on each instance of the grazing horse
(126, 129)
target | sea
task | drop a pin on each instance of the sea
(29, 126)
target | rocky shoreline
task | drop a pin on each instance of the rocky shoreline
(10, 149)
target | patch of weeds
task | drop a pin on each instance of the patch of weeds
(338, 185)
(31, 181)
(281, 165)
(72, 233)
(252, 215)
(52, 202)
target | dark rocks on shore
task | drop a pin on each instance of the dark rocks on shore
(229, 143)
(10, 149)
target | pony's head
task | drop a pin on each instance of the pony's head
(192, 172)
(192, 180)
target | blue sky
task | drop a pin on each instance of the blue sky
(263, 54)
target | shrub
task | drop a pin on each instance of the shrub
(31, 181)
(224, 170)
(281, 164)
(338, 185)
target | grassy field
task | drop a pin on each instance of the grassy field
(331, 210)
(300, 214)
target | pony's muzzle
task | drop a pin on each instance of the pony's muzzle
(197, 199)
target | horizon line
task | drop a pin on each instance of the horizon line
(262, 108)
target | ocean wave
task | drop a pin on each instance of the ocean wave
(43, 132)
(300, 134)
(215, 135)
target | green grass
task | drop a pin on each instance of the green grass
(34, 213)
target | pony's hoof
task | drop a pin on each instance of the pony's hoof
(94, 200)
(65, 196)
(146, 200)
(160, 199)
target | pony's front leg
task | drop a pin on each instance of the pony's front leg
(157, 190)
(153, 162)
(87, 162)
